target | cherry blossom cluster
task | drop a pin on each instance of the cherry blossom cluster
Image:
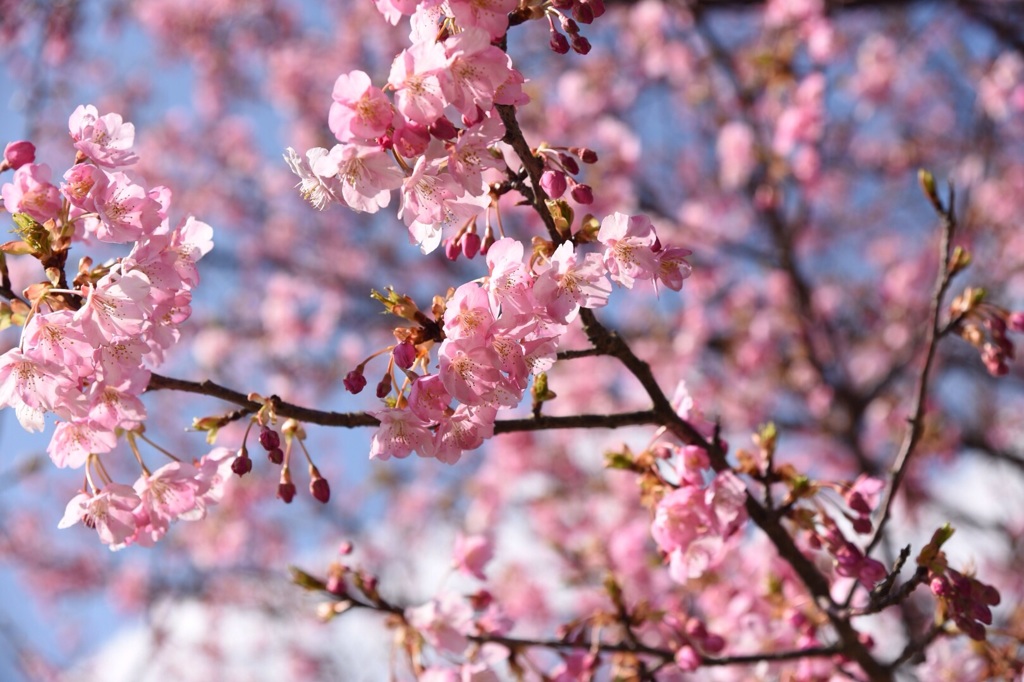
(498, 333)
(693, 521)
(410, 144)
(86, 347)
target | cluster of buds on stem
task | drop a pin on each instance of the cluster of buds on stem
(560, 166)
(583, 12)
(962, 598)
(985, 326)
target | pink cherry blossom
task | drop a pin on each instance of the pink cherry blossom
(415, 77)
(171, 492)
(428, 398)
(400, 432)
(468, 313)
(106, 140)
(444, 621)
(109, 511)
(366, 175)
(477, 69)
(73, 442)
(564, 285)
(359, 108)
(489, 15)
(629, 241)
(472, 554)
(465, 429)
(127, 213)
(115, 306)
(31, 193)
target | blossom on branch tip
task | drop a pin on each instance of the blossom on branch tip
(110, 511)
(106, 140)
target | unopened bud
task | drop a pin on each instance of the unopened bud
(559, 44)
(404, 354)
(443, 129)
(451, 249)
(470, 244)
(286, 492)
(269, 438)
(554, 183)
(582, 194)
(276, 455)
(384, 387)
(241, 464)
(318, 485)
(585, 155)
(569, 163)
(354, 381)
(583, 13)
(18, 154)
(580, 44)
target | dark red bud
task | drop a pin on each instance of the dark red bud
(269, 439)
(241, 464)
(559, 44)
(384, 387)
(585, 155)
(320, 489)
(354, 381)
(286, 492)
(583, 13)
(582, 194)
(276, 455)
(569, 163)
(580, 44)
(443, 129)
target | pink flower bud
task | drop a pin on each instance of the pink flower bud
(713, 644)
(554, 183)
(470, 244)
(404, 354)
(1015, 321)
(19, 153)
(451, 250)
(354, 381)
(582, 194)
(336, 584)
(687, 659)
(939, 586)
